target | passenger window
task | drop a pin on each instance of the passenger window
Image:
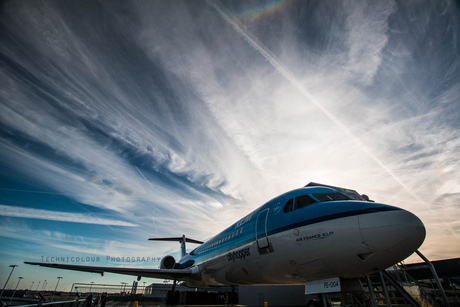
(303, 201)
(288, 206)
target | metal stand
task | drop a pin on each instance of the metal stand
(371, 291)
(401, 290)
(436, 278)
(385, 290)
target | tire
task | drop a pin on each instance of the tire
(313, 303)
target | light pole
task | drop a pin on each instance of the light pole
(44, 284)
(91, 286)
(11, 266)
(38, 285)
(19, 279)
(59, 278)
(32, 285)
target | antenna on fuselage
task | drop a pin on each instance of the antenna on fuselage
(182, 240)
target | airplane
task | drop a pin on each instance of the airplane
(315, 233)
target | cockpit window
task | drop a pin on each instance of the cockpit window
(300, 202)
(330, 197)
(303, 201)
(288, 206)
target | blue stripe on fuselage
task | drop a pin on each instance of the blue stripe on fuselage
(330, 217)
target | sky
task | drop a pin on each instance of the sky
(126, 120)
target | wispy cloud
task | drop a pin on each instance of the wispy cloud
(51, 215)
(166, 117)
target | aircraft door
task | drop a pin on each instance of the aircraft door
(261, 229)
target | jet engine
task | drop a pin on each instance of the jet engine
(168, 263)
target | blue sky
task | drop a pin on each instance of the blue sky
(121, 121)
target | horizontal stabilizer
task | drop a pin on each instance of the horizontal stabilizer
(181, 240)
(177, 239)
(152, 273)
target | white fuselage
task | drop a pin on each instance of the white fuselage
(347, 244)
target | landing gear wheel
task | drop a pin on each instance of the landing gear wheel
(313, 303)
(231, 298)
(235, 298)
(228, 298)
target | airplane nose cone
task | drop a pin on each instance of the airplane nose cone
(391, 229)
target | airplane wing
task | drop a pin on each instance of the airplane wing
(152, 273)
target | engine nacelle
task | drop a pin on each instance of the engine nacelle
(168, 263)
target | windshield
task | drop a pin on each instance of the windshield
(322, 197)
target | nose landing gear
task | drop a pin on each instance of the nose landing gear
(231, 297)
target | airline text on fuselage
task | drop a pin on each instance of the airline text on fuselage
(244, 220)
